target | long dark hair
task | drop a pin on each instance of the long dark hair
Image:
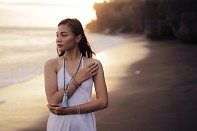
(77, 29)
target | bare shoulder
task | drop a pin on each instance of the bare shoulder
(91, 60)
(50, 63)
(53, 64)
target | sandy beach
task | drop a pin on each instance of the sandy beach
(157, 94)
(152, 87)
(23, 106)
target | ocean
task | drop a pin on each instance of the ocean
(24, 51)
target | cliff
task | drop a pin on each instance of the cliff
(158, 19)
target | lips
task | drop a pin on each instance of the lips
(59, 45)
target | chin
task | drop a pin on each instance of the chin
(61, 49)
(65, 49)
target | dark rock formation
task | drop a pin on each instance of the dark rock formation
(159, 19)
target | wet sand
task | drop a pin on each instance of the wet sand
(157, 94)
(152, 87)
(23, 106)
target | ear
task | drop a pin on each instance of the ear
(78, 38)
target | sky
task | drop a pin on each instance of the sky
(45, 13)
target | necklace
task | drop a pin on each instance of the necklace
(66, 86)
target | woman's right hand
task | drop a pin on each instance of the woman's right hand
(87, 72)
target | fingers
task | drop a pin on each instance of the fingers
(51, 108)
(94, 65)
(54, 105)
(94, 70)
(89, 71)
(54, 108)
(94, 73)
(89, 65)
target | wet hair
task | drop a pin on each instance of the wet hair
(77, 29)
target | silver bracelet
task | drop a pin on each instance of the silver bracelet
(78, 109)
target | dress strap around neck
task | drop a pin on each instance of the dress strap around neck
(82, 63)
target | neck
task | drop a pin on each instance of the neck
(73, 55)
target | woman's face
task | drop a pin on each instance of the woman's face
(65, 39)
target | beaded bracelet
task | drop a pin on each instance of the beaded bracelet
(76, 83)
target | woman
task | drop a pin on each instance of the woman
(75, 68)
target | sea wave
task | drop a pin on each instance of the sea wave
(23, 52)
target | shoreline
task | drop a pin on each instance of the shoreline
(25, 108)
(154, 86)
(23, 105)
(33, 57)
(148, 84)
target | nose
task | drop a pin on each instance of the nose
(58, 39)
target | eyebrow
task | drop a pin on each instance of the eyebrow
(62, 32)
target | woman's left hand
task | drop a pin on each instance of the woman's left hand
(57, 109)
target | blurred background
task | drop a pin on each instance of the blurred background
(28, 27)
(147, 48)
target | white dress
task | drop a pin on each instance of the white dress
(76, 122)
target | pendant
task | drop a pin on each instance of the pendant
(65, 100)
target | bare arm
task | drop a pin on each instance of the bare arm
(55, 96)
(101, 101)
